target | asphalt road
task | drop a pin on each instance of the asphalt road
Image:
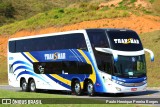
(150, 93)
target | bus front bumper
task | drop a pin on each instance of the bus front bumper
(116, 88)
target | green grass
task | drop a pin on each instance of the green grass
(156, 7)
(151, 1)
(16, 10)
(61, 17)
(60, 13)
(129, 5)
(132, 1)
(10, 94)
(151, 41)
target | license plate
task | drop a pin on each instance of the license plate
(133, 89)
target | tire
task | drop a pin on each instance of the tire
(76, 88)
(90, 88)
(24, 86)
(32, 86)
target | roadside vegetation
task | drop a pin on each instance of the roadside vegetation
(151, 41)
(62, 16)
(16, 10)
(17, 15)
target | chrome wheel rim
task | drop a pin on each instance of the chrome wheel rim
(90, 88)
(77, 88)
(33, 86)
(24, 86)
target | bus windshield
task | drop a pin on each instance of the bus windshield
(130, 66)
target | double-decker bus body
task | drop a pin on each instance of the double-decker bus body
(91, 60)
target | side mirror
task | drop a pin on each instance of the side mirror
(108, 50)
(151, 53)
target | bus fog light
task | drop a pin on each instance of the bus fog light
(117, 88)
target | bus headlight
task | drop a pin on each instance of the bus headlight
(120, 82)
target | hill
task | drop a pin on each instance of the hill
(139, 15)
(12, 11)
(16, 10)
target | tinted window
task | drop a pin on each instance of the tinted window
(84, 68)
(11, 46)
(69, 67)
(98, 39)
(48, 67)
(130, 66)
(125, 40)
(23, 45)
(68, 41)
(104, 62)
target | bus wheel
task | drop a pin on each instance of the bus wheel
(90, 88)
(77, 88)
(24, 85)
(32, 86)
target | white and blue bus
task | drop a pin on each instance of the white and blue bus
(90, 60)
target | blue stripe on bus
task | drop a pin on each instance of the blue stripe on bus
(80, 77)
(30, 73)
(74, 55)
(132, 80)
(60, 82)
(19, 62)
(26, 57)
(79, 54)
(23, 67)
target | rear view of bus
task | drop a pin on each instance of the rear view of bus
(120, 59)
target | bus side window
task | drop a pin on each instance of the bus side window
(98, 39)
(12, 46)
(83, 45)
(104, 62)
(70, 67)
(84, 68)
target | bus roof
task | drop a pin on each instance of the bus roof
(66, 32)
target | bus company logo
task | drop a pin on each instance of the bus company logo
(55, 56)
(126, 41)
